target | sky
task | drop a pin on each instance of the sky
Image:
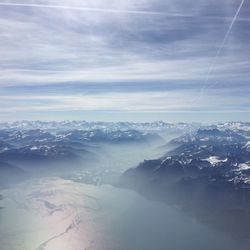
(135, 60)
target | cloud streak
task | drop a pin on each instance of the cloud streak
(164, 101)
(105, 51)
(78, 8)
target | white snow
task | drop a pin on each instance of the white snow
(34, 148)
(247, 146)
(214, 160)
(244, 166)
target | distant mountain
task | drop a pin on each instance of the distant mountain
(112, 126)
(210, 136)
(41, 151)
(108, 126)
(207, 175)
(34, 145)
(117, 136)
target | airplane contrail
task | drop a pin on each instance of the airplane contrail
(224, 40)
(221, 47)
(78, 8)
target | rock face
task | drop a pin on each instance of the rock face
(207, 175)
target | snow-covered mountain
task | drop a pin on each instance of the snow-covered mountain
(62, 151)
(207, 174)
(211, 136)
(108, 126)
(157, 126)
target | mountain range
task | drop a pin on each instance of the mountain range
(38, 150)
(207, 175)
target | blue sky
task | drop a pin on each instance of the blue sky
(125, 60)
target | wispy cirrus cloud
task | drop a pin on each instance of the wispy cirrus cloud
(181, 100)
(79, 8)
(136, 43)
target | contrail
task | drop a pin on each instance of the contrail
(222, 45)
(78, 8)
